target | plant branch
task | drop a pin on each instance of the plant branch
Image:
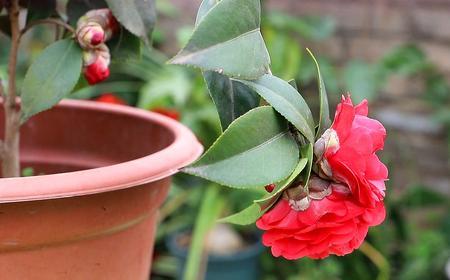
(10, 157)
(378, 259)
(54, 21)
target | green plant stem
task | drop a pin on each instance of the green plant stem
(10, 147)
(378, 259)
(209, 212)
(54, 21)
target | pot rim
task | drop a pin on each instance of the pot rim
(184, 149)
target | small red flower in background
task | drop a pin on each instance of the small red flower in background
(110, 98)
(171, 113)
(342, 200)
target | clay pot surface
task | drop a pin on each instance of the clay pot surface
(92, 215)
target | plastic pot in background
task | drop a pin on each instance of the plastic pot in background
(242, 265)
(93, 214)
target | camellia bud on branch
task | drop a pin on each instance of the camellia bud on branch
(90, 35)
(96, 63)
(95, 28)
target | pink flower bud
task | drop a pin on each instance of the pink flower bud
(90, 35)
(96, 63)
(103, 19)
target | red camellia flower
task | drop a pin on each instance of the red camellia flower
(336, 224)
(346, 152)
(110, 98)
(173, 114)
(342, 199)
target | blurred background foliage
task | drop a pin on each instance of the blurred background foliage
(414, 241)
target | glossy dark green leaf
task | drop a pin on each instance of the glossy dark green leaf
(293, 84)
(256, 149)
(232, 99)
(41, 9)
(286, 100)
(77, 8)
(225, 37)
(204, 8)
(307, 152)
(137, 16)
(125, 46)
(324, 115)
(50, 77)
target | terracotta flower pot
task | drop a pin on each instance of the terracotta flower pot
(93, 214)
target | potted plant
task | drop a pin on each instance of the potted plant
(320, 183)
(101, 170)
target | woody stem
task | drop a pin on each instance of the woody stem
(10, 146)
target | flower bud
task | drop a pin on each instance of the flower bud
(90, 35)
(96, 63)
(103, 20)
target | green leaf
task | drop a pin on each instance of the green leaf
(286, 100)
(293, 84)
(269, 199)
(50, 77)
(245, 217)
(138, 16)
(324, 115)
(41, 9)
(125, 46)
(204, 8)
(232, 99)
(228, 40)
(308, 153)
(256, 149)
(77, 8)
